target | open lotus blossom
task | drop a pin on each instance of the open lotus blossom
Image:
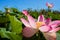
(49, 5)
(46, 26)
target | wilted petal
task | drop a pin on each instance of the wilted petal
(25, 12)
(25, 22)
(48, 21)
(32, 21)
(44, 29)
(41, 18)
(29, 32)
(55, 30)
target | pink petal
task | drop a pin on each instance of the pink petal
(55, 30)
(50, 36)
(29, 32)
(55, 24)
(41, 18)
(32, 21)
(25, 12)
(48, 21)
(44, 28)
(25, 22)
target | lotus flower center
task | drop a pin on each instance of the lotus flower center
(39, 24)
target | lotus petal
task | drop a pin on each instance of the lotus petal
(48, 21)
(41, 18)
(54, 24)
(50, 36)
(25, 12)
(55, 30)
(25, 22)
(44, 28)
(32, 21)
(29, 32)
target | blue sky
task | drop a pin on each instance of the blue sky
(24, 4)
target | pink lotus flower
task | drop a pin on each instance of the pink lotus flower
(49, 5)
(42, 24)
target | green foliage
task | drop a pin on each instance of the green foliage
(54, 16)
(16, 25)
(34, 13)
(3, 19)
(16, 29)
(3, 33)
(58, 36)
(9, 35)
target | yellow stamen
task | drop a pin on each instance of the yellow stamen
(39, 24)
